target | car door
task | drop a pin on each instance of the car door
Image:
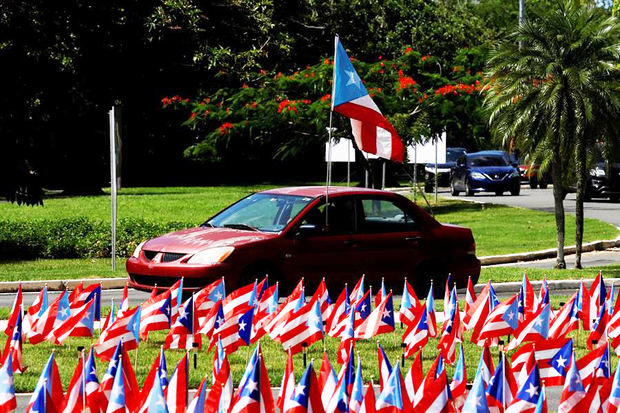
(460, 172)
(330, 250)
(390, 238)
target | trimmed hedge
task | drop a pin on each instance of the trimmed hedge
(76, 237)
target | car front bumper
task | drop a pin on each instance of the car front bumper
(489, 185)
(144, 275)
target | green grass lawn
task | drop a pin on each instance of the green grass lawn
(275, 358)
(61, 269)
(497, 229)
(506, 274)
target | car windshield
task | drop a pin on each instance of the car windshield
(260, 212)
(486, 160)
(452, 154)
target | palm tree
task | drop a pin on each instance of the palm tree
(550, 93)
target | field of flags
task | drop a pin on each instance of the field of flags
(535, 343)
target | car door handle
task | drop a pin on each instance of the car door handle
(414, 239)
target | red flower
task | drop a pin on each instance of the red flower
(326, 97)
(425, 58)
(408, 50)
(406, 81)
(263, 72)
(244, 86)
(193, 115)
(225, 128)
(382, 71)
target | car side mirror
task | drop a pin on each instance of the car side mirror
(306, 229)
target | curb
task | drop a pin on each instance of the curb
(61, 285)
(599, 245)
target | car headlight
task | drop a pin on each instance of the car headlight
(514, 174)
(136, 252)
(211, 255)
(477, 175)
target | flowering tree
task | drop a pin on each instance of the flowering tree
(284, 115)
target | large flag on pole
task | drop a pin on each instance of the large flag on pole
(371, 130)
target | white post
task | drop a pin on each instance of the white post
(383, 177)
(366, 172)
(113, 184)
(415, 170)
(436, 180)
(348, 165)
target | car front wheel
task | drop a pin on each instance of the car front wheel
(515, 191)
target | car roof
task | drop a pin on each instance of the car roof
(496, 153)
(317, 191)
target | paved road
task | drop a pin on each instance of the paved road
(542, 200)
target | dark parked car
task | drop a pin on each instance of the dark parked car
(486, 171)
(283, 232)
(604, 181)
(530, 173)
(443, 169)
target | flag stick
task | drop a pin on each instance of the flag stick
(83, 382)
(329, 137)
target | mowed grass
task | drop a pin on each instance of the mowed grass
(509, 273)
(66, 356)
(497, 229)
(61, 269)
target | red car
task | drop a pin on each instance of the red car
(289, 233)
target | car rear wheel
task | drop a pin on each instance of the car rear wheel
(468, 189)
(543, 185)
(515, 191)
(534, 182)
(499, 193)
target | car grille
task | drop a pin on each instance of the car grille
(150, 254)
(171, 256)
(165, 257)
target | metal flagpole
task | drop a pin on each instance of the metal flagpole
(383, 177)
(113, 184)
(348, 164)
(329, 136)
(415, 170)
(436, 180)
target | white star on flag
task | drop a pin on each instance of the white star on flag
(532, 390)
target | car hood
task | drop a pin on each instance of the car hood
(441, 165)
(492, 169)
(192, 240)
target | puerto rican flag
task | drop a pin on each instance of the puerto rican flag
(208, 296)
(267, 305)
(91, 381)
(221, 394)
(49, 383)
(306, 397)
(74, 399)
(155, 314)
(235, 331)
(476, 401)
(118, 402)
(409, 305)
(527, 299)
(533, 329)
(288, 383)
(327, 381)
(273, 322)
(614, 395)
(368, 406)
(79, 324)
(381, 294)
(385, 367)
(158, 372)
(470, 295)
(372, 132)
(16, 310)
(574, 391)
(565, 320)
(183, 333)
(14, 347)
(38, 307)
(212, 321)
(244, 296)
(415, 377)
(544, 353)
(52, 317)
(255, 394)
(339, 312)
(452, 331)
(458, 386)
(322, 295)
(90, 293)
(125, 300)
(8, 402)
(502, 387)
(380, 321)
(527, 397)
(176, 391)
(125, 329)
(503, 320)
(417, 334)
(303, 328)
(357, 390)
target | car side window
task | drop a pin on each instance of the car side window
(381, 215)
(341, 213)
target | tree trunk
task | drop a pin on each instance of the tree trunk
(558, 198)
(580, 163)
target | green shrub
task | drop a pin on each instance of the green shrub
(75, 237)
